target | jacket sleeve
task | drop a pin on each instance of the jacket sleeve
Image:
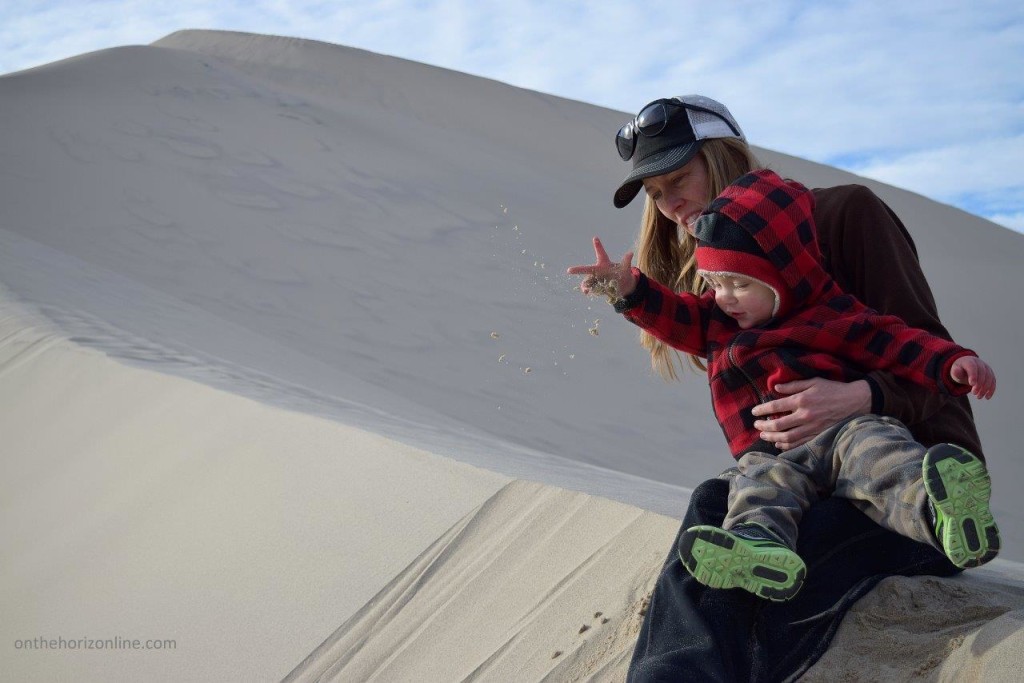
(886, 343)
(679, 320)
(872, 256)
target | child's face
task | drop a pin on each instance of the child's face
(748, 301)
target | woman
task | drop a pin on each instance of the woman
(684, 151)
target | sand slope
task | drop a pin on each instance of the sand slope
(536, 584)
(139, 505)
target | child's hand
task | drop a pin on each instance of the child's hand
(620, 273)
(976, 372)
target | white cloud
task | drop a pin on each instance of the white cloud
(985, 167)
(1014, 221)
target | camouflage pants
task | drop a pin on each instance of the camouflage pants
(872, 461)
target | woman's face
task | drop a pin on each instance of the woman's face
(682, 194)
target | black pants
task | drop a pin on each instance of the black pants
(695, 633)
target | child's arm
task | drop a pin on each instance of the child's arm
(679, 320)
(619, 275)
(885, 342)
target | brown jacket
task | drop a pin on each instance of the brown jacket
(870, 254)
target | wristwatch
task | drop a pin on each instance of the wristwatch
(634, 298)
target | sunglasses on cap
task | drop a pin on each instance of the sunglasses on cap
(652, 121)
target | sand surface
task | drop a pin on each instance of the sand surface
(290, 375)
(968, 628)
(140, 505)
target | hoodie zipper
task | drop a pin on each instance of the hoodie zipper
(732, 359)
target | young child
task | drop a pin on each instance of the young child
(773, 315)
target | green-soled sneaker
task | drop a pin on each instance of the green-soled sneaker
(959, 488)
(747, 556)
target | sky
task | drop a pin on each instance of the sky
(927, 95)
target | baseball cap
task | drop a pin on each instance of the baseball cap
(666, 134)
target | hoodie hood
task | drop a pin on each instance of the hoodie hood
(762, 226)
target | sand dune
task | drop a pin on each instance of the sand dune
(146, 506)
(536, 583)
(290, 375)
(141, 505)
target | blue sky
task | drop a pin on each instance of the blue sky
(923, 94)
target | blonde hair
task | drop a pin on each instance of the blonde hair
(665, 253)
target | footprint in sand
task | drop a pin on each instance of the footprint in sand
(123, 152)
(195, 149)
(301, 117)
(597, 615)
(265, 269)
(141, 206)
(150, 215)
(251, 157)
(73, 144)
(296, 188)
(249, 200)
(583, 629)
(135, 130)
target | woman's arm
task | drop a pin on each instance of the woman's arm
(812, 406)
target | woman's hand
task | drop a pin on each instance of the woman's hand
(977, 373)
(619, 273)
(813, 405)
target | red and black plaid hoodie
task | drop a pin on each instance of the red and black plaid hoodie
(762, 226)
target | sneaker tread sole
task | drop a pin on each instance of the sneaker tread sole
(960, 488)
(719, 559)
